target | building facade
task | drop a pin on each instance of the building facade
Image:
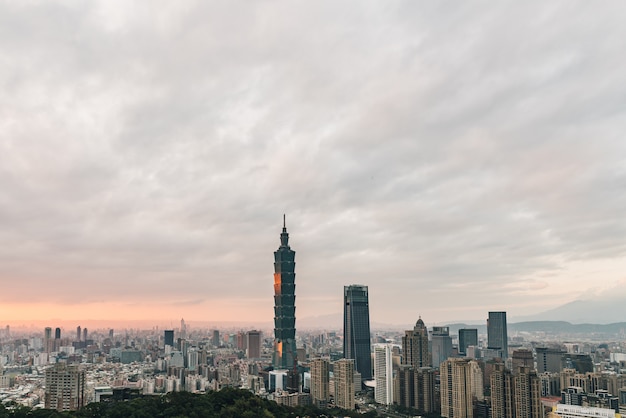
(456, 389)
(441, 345)
(497, 335)
(284, 356)
(65, 387)
(467, 337)
(527, 394)
(320, 381)
(356, 329)
(343, 379)
(415, 346)
(548, 359)
(253, 344)
(383, 374)
(502, 392)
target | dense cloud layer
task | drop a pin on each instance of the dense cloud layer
(456, 158)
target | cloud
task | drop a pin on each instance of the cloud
(147, 152)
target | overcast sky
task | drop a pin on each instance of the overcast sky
(456, 157)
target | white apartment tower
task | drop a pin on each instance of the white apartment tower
(383, 374)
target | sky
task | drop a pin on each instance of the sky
(455, 157)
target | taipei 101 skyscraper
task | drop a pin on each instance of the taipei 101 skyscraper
(284, 304)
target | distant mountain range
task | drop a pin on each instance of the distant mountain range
(584, 311)
(576, 316)
(551, 327)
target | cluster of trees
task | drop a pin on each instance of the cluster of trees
(226, 403)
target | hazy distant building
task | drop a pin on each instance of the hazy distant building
(320, 381)
(343, 379)
(467, 337)
(183, 328)
(192, 359)
(284, 356)
(47, 340)
(548, 359)
(573, 411)
(356, 329)
(216, 338)
(582, 363)
(65, 387)
(497, 336)
(78, 333)
(168, 337)
(441, 345)
(522, 358)
(415, 346)
(383, 374)
(253, 344)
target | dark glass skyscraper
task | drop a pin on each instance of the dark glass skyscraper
(467, 337)
(284, 304)
(168, 337)
(497, 337)
(356, 329)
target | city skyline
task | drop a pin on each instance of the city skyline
(468, 157)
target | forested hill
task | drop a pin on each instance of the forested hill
(227, 403)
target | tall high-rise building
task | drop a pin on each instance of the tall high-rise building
(78, 333)
(456, 388)
(502, 392)
(343, 377)
(65, 387)
(441, 345)
(85, 334)
(183, 328)
(356, 329)
(241, 341)
(383, 374)
(404, 386)
(168, 337)
(415, 388)
(527, 394)
(425, 399)
(57, 339)
(253, 344)
(320, 381)
(285, 356)
(47, 340)
(192, 359)
(497, 337)
(216, 338)
(467, 337)
(415, 346)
